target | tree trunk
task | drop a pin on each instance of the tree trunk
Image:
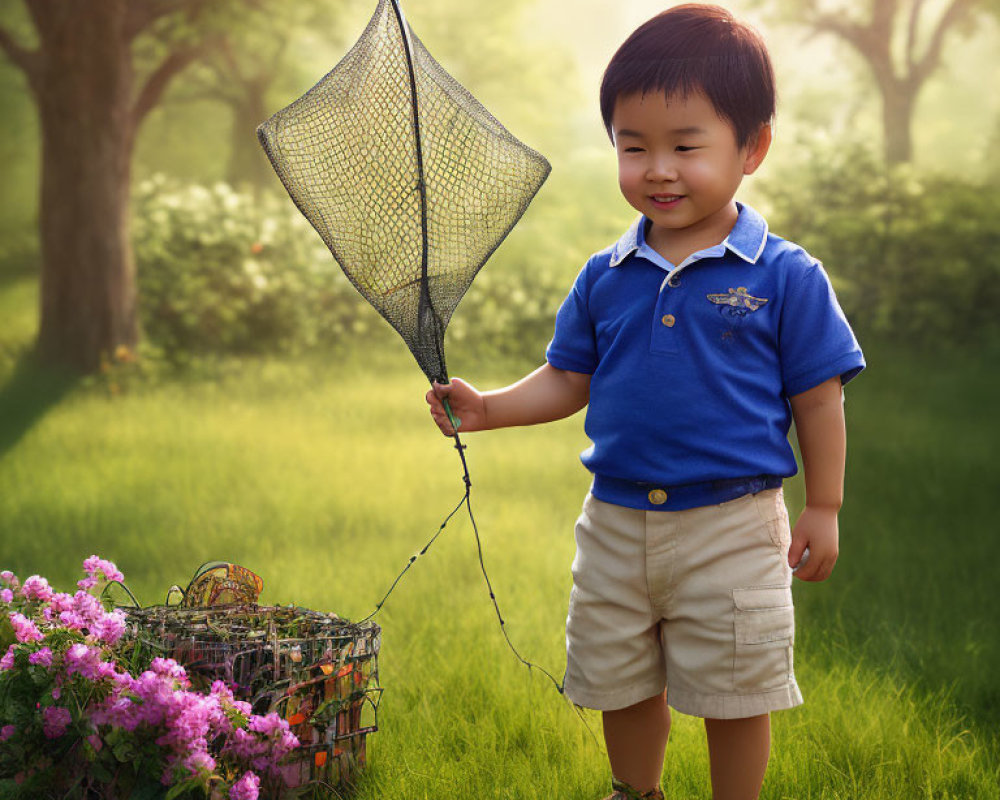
(897, 123)
(84, 96)
(247, 162)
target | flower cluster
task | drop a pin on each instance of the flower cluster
(63, 666)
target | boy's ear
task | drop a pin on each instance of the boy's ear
(757, 149)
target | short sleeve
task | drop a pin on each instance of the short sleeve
(574, 346)
(815, 339)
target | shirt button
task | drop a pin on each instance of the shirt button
(668, 320)
(657, 497)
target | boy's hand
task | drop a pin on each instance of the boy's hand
(466, 402)
(816, 529)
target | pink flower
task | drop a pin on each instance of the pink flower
(7, 662)
(37, 588)
(6, 595)
(169, 668)
(199, 761)
(72, 620)
(25, 629)
(61, 601)
(84, 660)
(110, 627)
(8, 577)
(243, 707)
(96, 567)
(55, 720)
(83, 611)
(242, 744)
(221, 691)
(118, 712)
(246, 788)
(87, 606)
(289, 741)
(228, 702)
(43, 657)
(123, 681)
(264, 744)
(7, 731)
(268, 724)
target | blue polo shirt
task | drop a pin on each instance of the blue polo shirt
(692, 365)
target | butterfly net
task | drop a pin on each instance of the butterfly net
(409, 180)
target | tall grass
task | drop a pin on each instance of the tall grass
(326, 477)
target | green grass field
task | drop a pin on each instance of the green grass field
(325, 476)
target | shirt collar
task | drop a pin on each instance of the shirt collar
(746, 239)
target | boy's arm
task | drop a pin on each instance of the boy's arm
(821, 431)
(546, 394)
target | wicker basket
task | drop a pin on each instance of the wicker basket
(318, 671)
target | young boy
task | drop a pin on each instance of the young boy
(694, 341)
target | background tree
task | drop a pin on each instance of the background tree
(901, 42)
(91, 101)
(242, 70)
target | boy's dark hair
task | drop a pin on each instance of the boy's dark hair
(693, 48)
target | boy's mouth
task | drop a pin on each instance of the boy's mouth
(665, 200)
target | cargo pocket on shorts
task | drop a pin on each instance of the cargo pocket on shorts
(765, 630)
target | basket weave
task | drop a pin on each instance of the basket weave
(320, 672)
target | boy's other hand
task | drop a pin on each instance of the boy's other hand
(466, 402)
(816, 529)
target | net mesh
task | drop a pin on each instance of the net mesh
(409, 180)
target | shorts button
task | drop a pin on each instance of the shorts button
(657, 497)
(668, 320)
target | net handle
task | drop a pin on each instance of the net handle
(455, 421)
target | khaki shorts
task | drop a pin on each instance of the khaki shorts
(697, 601)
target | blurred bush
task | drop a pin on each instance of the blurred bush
(914, 257)
(220, 272)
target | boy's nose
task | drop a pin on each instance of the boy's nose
(661, 169)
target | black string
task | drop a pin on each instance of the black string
(482, 565)
(467, 502)
(413, 558)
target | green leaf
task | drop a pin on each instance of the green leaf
(7, 635)
(178, 789)
(124, 750)
(150, 791)
(102, 773)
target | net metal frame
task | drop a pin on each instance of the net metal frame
(411, 183)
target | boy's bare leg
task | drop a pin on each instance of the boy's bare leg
(738, 750)
(636, 738)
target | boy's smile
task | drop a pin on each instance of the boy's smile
(666, 201)
(680, 165)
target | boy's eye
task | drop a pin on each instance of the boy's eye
(633, 149)
(682, 148)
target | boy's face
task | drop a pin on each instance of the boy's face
(680, 165)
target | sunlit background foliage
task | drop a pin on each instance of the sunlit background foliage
(223, 267)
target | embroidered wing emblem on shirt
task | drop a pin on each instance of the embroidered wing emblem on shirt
(738, 301)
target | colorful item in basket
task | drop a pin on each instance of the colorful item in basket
(219, 583)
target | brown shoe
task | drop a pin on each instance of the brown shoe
(622, 791)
